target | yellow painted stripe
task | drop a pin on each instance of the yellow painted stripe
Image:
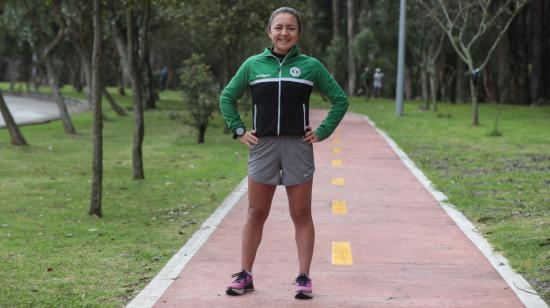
(341, 253)
(337, 163)
(336, 150)
(336, 135)
(338, 181)
(336, 140)
(339, 207)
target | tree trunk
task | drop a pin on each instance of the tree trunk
(473, 94)
(96, 93)
(424, 80)
(16, 136)
(76, 79)
(119, 110)
(86, 59)
(351, 54)
(432, 75)
(145, 70)
(409, 88)
(139, 127)
(335, 19)
(202, 133)
(54, 84)
(503, 71)
(120, 81)
(522, 59)
(537, 11)
(461, 82)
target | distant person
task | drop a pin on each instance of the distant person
(365, 77)
(280, 141)
(377, 82)
(163, 78)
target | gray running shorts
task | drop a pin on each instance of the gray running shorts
(281, 160)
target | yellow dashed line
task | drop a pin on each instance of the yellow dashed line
(336, 140)
(339, 207)
(338, 181)
(336, 151)
(337, 163)
(341, 253)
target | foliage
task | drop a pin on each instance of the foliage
(336, 60)
(200, 93)
(366, 47)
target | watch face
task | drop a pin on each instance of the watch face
(239, 131)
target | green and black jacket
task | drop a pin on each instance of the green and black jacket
(280, 94)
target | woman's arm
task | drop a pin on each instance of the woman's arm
(331, 89)
(229, 96)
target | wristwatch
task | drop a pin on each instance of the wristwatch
(239, 132)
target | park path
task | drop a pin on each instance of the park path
(31, 110)
(382, 240)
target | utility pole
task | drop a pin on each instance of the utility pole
(401, 60)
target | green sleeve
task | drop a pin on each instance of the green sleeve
(331, 89)
(232, 92)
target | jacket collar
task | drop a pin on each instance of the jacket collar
(294, 52)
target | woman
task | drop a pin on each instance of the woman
(281, 152)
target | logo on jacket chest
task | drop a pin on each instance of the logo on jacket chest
(295, 72)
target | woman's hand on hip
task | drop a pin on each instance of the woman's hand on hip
(249, 138)
(310, 136)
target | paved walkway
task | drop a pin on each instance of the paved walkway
(29, 110)
(382, 240)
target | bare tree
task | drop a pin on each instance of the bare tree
(16, 136)
(77, 18)
(53, 80)
(139, 123)
(96, 94)
(466, 23)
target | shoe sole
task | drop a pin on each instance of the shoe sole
(237, 292)
(302, 295)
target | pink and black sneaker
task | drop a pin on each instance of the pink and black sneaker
(303, 287)
(241, 284)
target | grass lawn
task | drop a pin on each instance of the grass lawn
(54, 255)
(502, 184)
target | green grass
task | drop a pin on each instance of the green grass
(502, 184)
(54, 255)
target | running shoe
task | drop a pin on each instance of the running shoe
(241, 284)
(303, 287)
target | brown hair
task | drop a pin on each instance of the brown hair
(287, 10)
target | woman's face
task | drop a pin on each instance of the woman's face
(284, 32)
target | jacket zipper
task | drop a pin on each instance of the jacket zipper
(279, 94)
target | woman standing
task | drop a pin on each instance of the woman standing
(280, 79)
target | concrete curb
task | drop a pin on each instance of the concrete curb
(170, 272)
(517, 283)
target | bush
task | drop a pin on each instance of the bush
(200, 93)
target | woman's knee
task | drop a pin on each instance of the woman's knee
(300, 215)
(256, 215)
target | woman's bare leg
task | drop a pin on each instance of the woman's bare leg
(259, 203)
(299, 199)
